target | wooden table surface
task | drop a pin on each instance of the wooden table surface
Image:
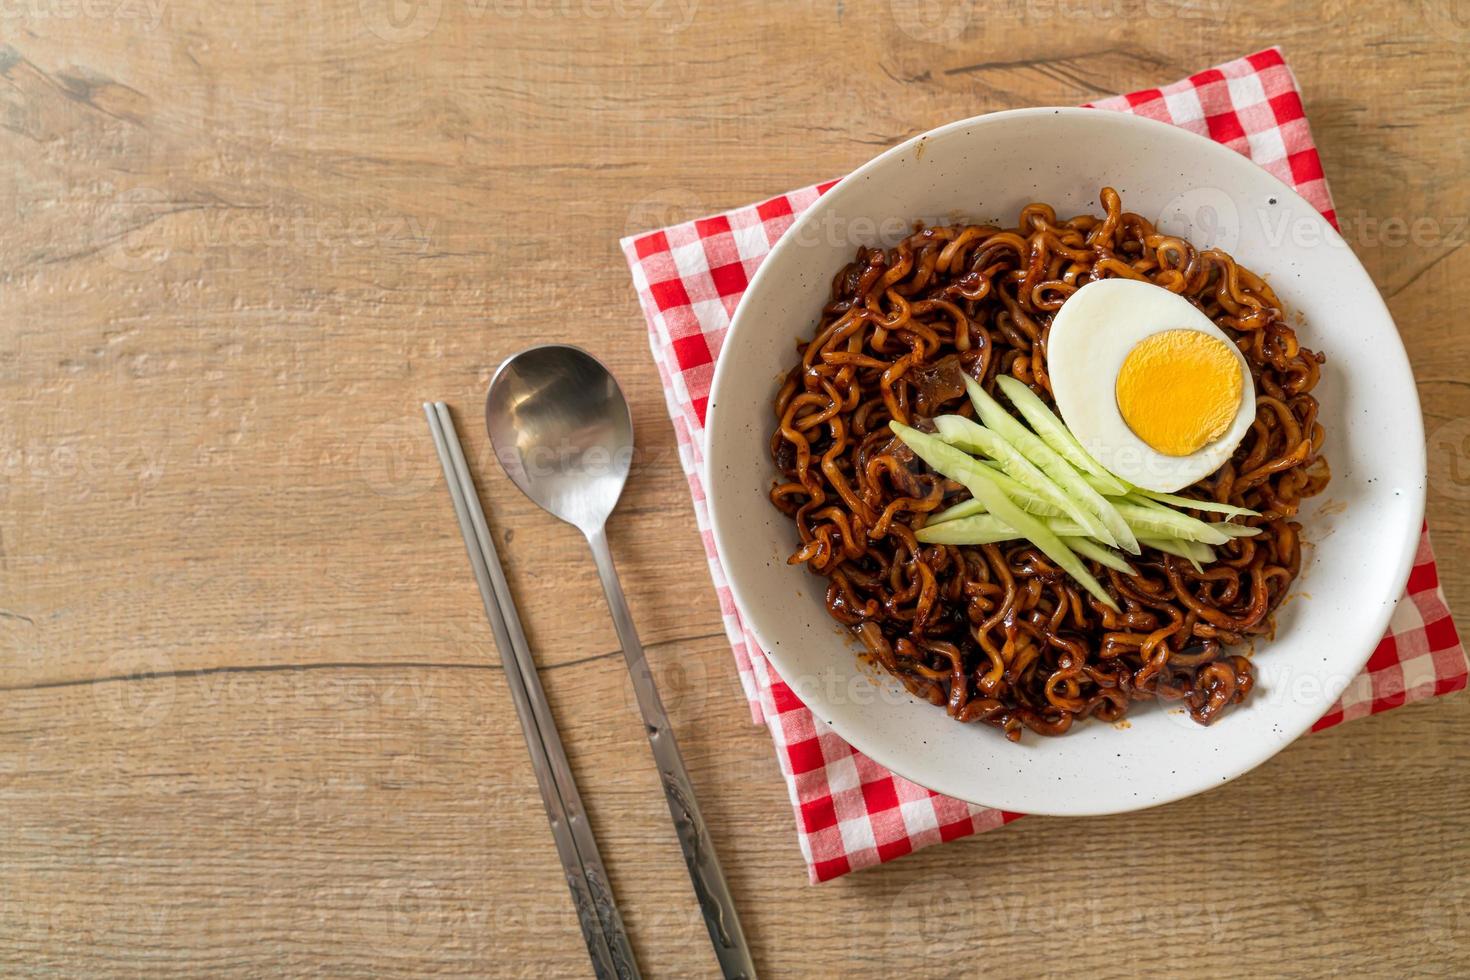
(253, 720)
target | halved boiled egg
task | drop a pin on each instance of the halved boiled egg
(1147, 383)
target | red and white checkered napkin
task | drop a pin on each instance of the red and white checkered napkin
(850, 811)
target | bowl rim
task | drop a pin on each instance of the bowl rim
(1396, 363)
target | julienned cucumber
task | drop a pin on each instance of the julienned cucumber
(1067, 478)
(1044, 487)
(978, 479)
(1088, 548)
(989, 529)
(1056, 466)
(1192, 551)
(1160, 521)
(979, 528)
(1144, 519)
(963, 433)
(1056, 435)
(1189, 503)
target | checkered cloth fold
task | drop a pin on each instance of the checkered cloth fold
(850, 811)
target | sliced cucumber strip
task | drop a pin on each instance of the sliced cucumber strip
(1155, 521)
(989, 529)
(1030, 502)
(1088, 548)
(1068, 480)
(1108, 488)
(1056, 434)
(966, 434)
(1189, 503)
(976, 529)
(979, 480)
(1190, 551)
(965, 508)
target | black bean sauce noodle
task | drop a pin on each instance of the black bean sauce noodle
(997, 633)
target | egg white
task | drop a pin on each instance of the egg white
(1091, 336)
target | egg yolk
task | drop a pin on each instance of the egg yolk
(1179, 390)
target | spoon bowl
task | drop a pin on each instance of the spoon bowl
(562, 430)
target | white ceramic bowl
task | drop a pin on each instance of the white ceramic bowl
(1362, 531)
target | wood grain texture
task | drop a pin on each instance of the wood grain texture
(253, 720)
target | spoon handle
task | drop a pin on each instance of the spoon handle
(699, 852)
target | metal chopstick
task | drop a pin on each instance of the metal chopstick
(597, 912)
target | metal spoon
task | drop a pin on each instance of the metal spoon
(562, 430)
